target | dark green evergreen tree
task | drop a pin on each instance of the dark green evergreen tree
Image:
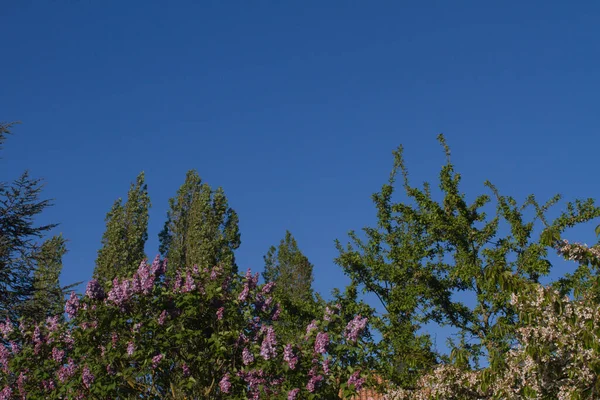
(423, 252)
(201, 229)
(20, 204)
(126, 234)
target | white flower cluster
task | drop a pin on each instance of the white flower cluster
(557, 356)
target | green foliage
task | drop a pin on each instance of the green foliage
(20, 204)
(153, 338)
(126, 234)
(48, 298)
(201, 228)
(423, 252)
(292, 273)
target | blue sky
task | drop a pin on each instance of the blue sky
(294, 108)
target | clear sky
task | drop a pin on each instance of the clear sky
(294, 107)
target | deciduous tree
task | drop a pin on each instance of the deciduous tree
(126, 234)
(201, 229)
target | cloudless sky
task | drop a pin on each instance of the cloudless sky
(294, 108)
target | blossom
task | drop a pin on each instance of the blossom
(130, 348)
(4, 357)
(224, 384)
(355, 328)
(94, 290)
(72, 305)
(276, 313)
(220, 313)
(6, 327)
(247, 357)
(293, 394)
(87, 377)
(326, 368)
(321, 343)
(14, 346)
(189, 284)
(289, 356)
(66, 371)
(186, 370)
(48, 385)
(21, 383)
(162, 317)
(57, 354)
(156, 360)
(328, 314)
(356, 381)
(268, 288)
(314, 380)
(244, 293)
(311, 327)
(147, 274)
(267, 348)
(52, 323)
(6, 393)
(120, 292)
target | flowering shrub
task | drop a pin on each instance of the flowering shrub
(200, 334)
(557, 356)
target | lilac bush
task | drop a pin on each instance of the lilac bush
(200, 334)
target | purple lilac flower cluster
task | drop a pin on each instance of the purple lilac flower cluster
(58, 355)
(289, 356)
(311, 327)
(356, 381)
(225, 384)
(72, 305)
(6, 328)
(247, 356)
(66, 371)
(87, 377)
(267, 348)
(156, 360)
(321, 343)
(293, 394)
(355, 328)
(314, 380)
(94, 290)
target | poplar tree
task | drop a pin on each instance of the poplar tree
(48, 296)
(201, 229)
(126, 234)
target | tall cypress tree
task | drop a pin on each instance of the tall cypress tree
(201, 228)
(126, 234)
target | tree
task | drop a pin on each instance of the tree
(126, 234)
(292, 273)
(20, 204)
(290, 270)
(201, 229)
(48, 296)
(423, 252)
